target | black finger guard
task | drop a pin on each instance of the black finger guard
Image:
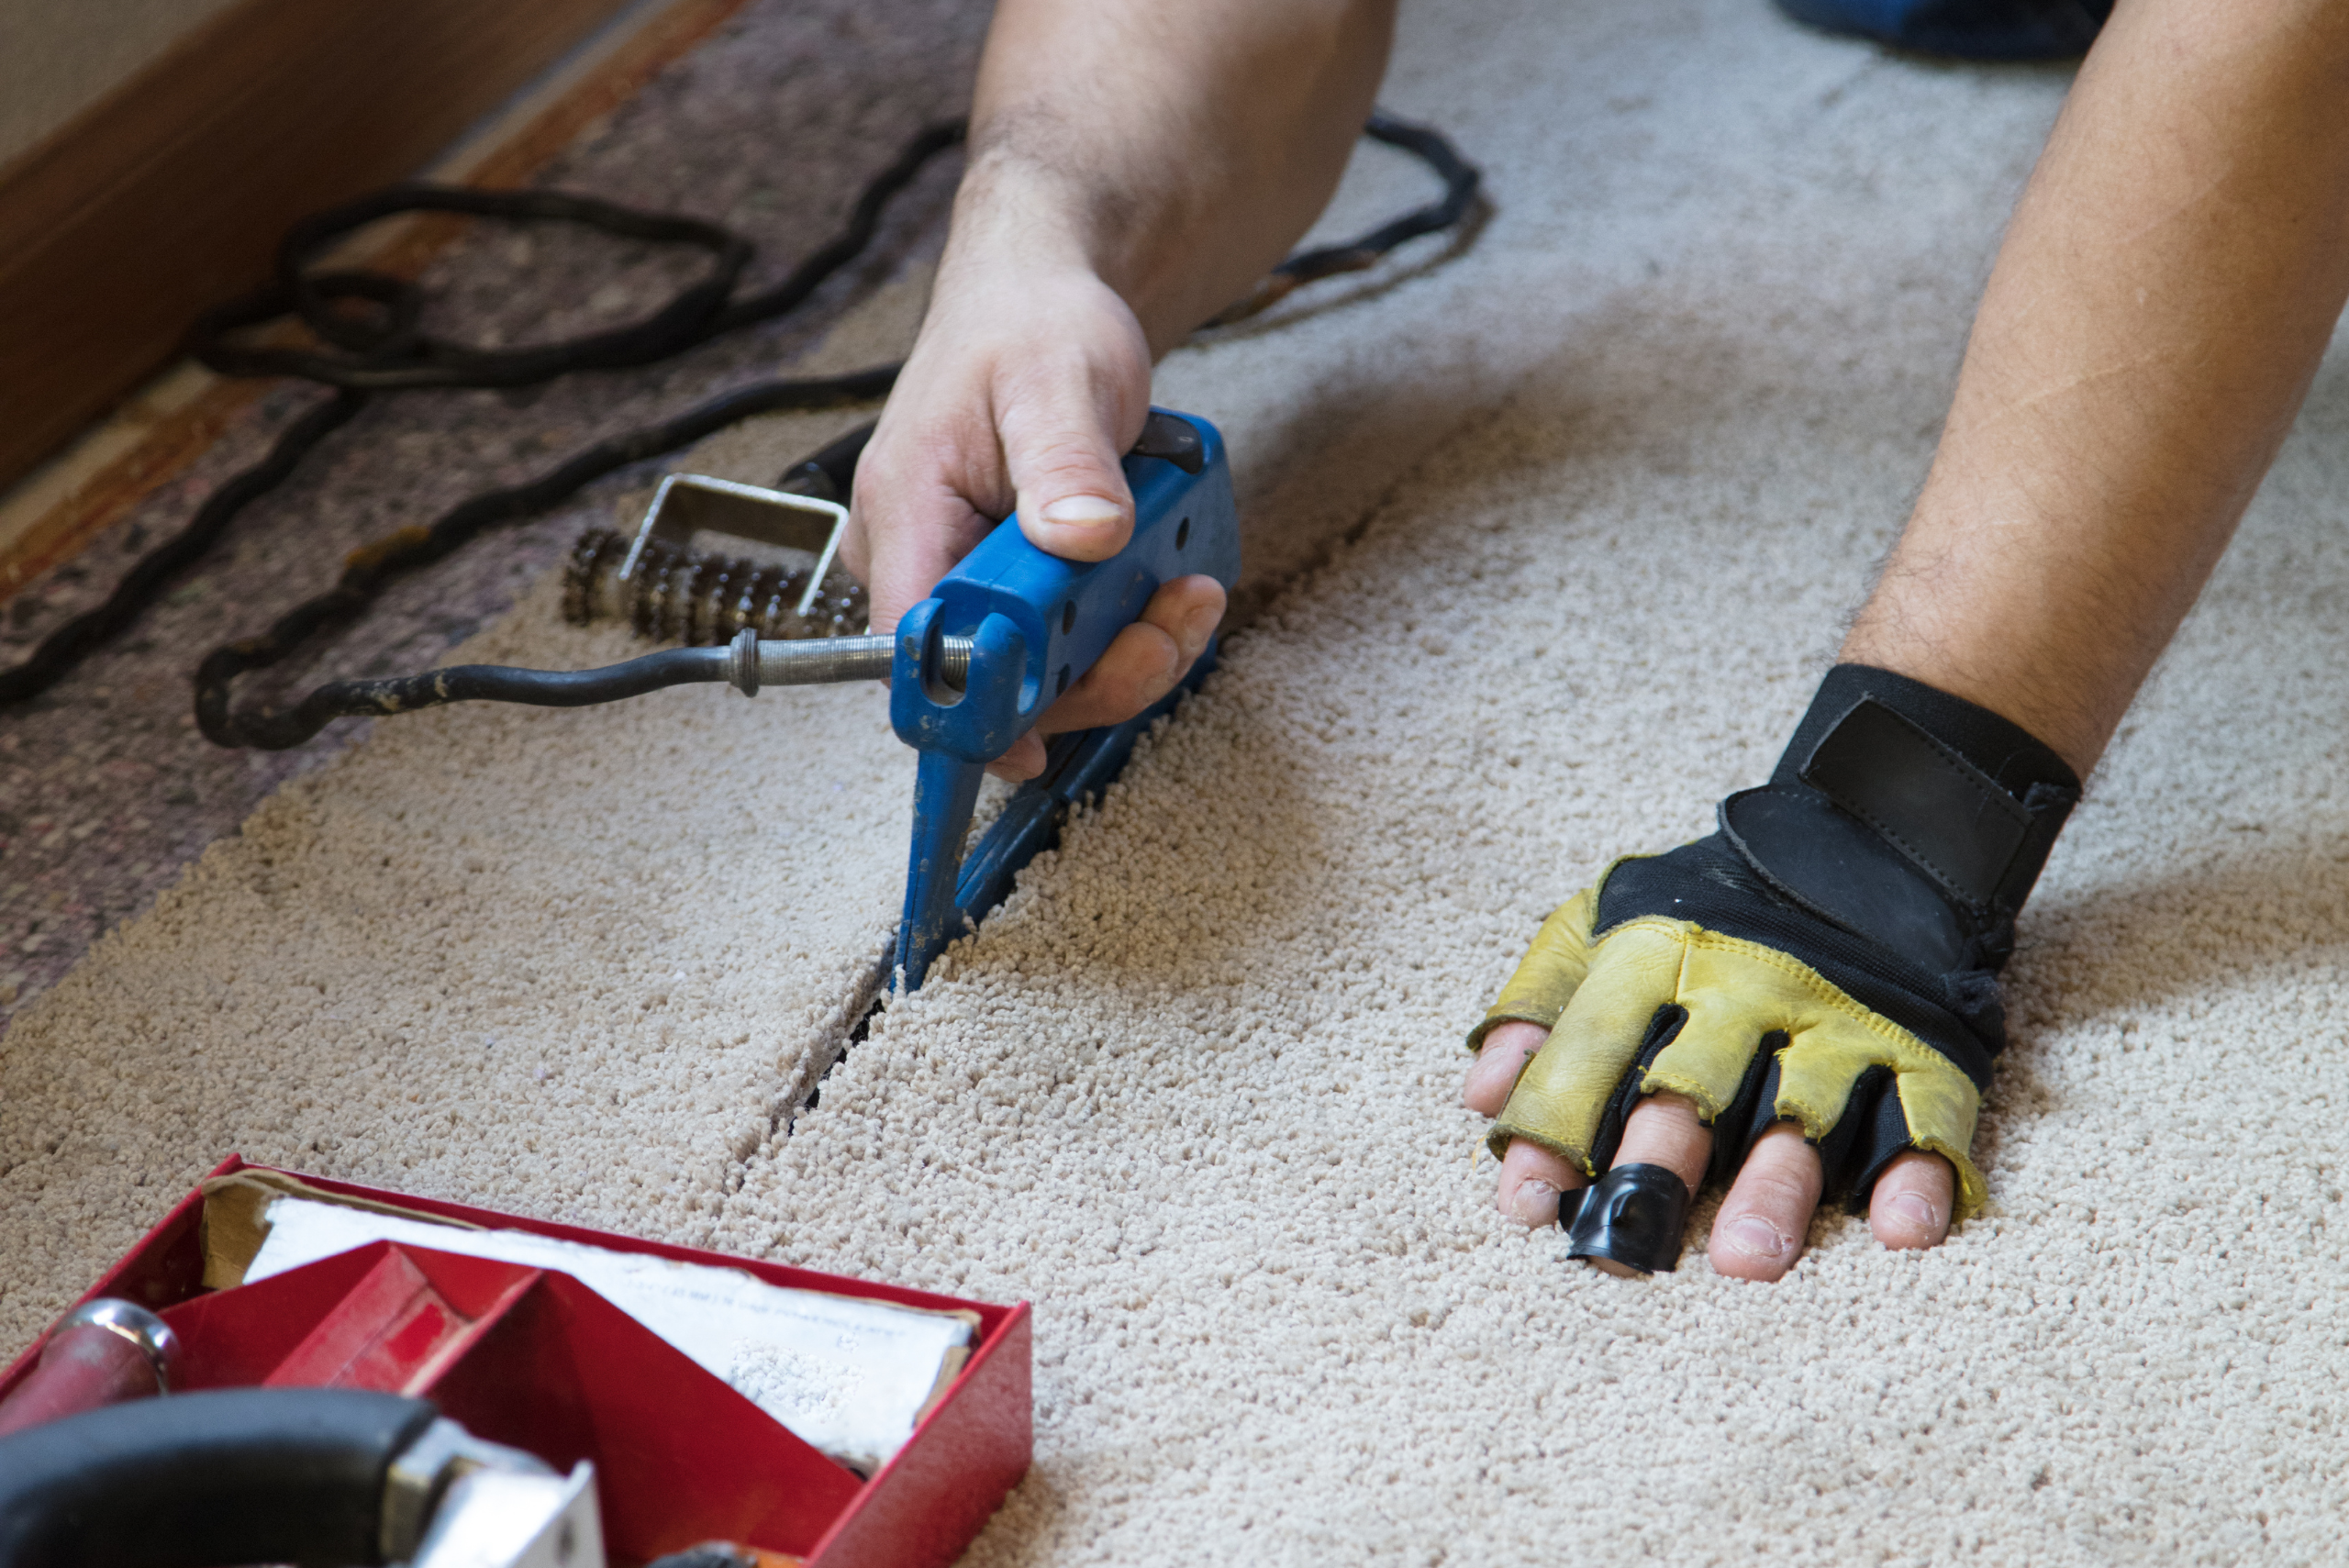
(1633, 1215)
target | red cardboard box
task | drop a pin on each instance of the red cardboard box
(532, 1358)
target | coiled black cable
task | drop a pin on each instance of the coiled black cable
(388, 351)
(1461, 183)
(391, 352)
(61, 649)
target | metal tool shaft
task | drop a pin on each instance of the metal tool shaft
(753, 661)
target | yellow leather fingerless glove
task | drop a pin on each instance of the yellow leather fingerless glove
(1828, 957)
(1742, 1004)
(1548, 974)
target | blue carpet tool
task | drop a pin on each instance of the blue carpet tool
(1034, 624)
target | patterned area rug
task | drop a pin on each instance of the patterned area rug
(1552, 540)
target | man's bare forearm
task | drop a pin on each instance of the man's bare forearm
(1176, 151)
(2166, 289)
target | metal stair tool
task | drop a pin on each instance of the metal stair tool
(970, 669)
(788, 586)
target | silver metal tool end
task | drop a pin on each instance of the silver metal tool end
(954, 661)
(135, 1323)
(494, 1520)
(742, 662)
(426, 1469)
(753, 662)
(821, 660)
(688, 504)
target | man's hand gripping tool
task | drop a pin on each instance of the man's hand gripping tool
(971, 668)
(1036, 624)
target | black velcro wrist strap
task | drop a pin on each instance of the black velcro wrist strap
(1971, 800)
(1947, 816)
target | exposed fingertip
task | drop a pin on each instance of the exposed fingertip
(1749, 1247)
(1751, 1236)
(1197, 626)
(1910, 1207)
(1173, 662)
(1023, 762)
(1486, 1088)
(1666, 1130)
(1142, 666)
(1532, 1202)
(1917, 1208)
(1499, 1061)
(1908, 1220)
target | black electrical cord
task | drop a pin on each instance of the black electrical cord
(484, 683)
(393, 354)
(371, 568)
(1460, 182)
(61, 649)
(387, 349)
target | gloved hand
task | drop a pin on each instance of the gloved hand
(1829, 958)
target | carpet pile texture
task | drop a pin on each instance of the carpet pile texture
(1549, 542)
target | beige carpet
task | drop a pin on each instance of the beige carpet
(1612, 478)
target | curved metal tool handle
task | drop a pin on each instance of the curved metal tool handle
(104, 1351)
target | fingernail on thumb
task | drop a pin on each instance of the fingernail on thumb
(1917, 1209)
(1084, 512)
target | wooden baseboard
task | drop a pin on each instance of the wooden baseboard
(168, 195)
(183, 189)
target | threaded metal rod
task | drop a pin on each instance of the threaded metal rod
(753, 661)
(746, 664)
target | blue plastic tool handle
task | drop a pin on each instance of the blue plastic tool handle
(1039, 622)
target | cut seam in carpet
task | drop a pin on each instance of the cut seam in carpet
(1194, 1090)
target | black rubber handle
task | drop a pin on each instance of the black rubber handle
(830, 474)
(206, 1481)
